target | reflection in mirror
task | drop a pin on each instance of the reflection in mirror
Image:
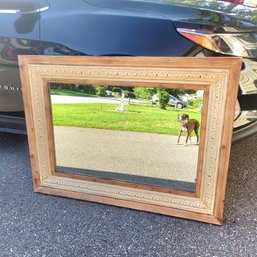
(129, 134)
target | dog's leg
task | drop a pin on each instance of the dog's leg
(179, 135)
(189, 132)
(188, 136)
(196, 133)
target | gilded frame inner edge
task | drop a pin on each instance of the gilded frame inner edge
(205, 205)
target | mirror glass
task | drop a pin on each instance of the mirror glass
(128, 134)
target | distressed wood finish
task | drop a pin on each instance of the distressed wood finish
(218, 77)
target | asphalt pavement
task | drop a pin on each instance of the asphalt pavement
(37, 225)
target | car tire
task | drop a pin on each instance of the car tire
(179, 106)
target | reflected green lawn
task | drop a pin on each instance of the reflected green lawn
(139, 117)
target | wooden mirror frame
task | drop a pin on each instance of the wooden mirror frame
(218, 77)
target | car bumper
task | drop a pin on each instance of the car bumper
(12, 124)
(246, 122)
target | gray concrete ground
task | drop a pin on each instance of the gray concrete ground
(61, 99)
(141, 154)
(37, 225)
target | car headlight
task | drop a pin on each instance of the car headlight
(236, 44)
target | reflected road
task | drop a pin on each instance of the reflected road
(60, 99)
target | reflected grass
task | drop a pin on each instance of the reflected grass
(138, 117)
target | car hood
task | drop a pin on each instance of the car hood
(217, 16)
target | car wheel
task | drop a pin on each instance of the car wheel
(179, 105)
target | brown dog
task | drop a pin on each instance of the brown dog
(188, 125)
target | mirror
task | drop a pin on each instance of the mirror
(105, 129)
(124, 133)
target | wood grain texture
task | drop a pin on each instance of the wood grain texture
(218, 77)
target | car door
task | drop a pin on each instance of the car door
(19, 34)
(172, 100)
(86, 27)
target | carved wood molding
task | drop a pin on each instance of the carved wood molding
(215, 80)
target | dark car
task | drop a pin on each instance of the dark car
(126, 27)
